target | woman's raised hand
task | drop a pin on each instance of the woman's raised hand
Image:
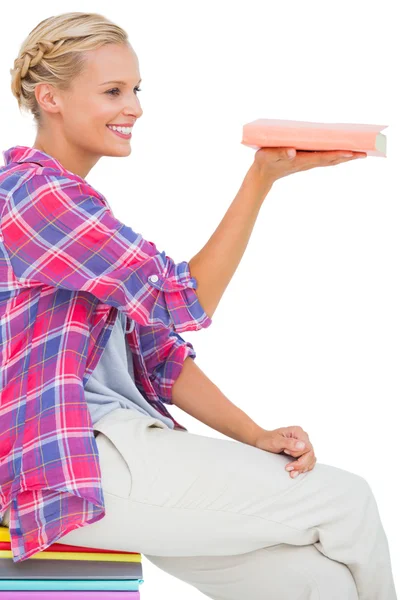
(275, 163)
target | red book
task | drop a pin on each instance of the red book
(65, 548)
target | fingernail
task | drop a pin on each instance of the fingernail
(289, 468)
(300, 445)
(295, 474)
(291, 153)
(347, 154)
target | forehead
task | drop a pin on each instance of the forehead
(112, 62)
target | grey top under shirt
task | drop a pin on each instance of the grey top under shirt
(112, 383)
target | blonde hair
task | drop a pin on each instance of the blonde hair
(54, 53)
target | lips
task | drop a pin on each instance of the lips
(120, 124)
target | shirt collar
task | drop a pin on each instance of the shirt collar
(22, 154)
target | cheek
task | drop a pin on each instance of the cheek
(78, 117)
(92, 114)
(105, 111)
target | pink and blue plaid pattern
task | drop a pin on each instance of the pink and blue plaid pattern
(67, 267)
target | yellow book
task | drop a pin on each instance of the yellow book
(4, 534)
(48, 554)
(103, 556)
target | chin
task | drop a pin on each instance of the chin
(119, 151)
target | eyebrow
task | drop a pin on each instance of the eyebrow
(119, 82)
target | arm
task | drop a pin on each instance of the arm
(197, 395)
(61, 233)
(214, 266)
(164, 353)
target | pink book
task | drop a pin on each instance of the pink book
(309, 136)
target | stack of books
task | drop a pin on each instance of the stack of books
(63, 572)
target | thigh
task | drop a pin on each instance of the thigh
(174, 493)
(280, 572)
(176, 468)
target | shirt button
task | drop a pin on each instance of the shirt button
(153, 278)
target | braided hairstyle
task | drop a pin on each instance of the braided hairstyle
(54, 53)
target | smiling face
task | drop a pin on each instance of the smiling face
(102, 101)
(75, 121)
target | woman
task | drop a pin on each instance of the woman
(85, 293)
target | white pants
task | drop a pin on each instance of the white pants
(226, 517)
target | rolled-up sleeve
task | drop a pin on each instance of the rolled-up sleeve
(59, 232)
(164, 353)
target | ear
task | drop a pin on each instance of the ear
(47, 97)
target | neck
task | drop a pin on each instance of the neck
(72, 158)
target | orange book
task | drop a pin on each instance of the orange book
(310, 136)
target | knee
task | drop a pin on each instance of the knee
(360, 485)
(356, 488)
(343, 485)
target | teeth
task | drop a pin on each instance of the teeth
(125, 130)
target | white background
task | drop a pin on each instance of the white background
(307, 332)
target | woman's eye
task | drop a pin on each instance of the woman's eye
(111, 92)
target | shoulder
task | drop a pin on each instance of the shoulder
(36, 181)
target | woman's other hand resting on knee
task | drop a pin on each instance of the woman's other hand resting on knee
(286, 439)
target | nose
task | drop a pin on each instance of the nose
(134, 110)
(135, 114)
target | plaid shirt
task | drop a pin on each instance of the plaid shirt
(67, 267)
